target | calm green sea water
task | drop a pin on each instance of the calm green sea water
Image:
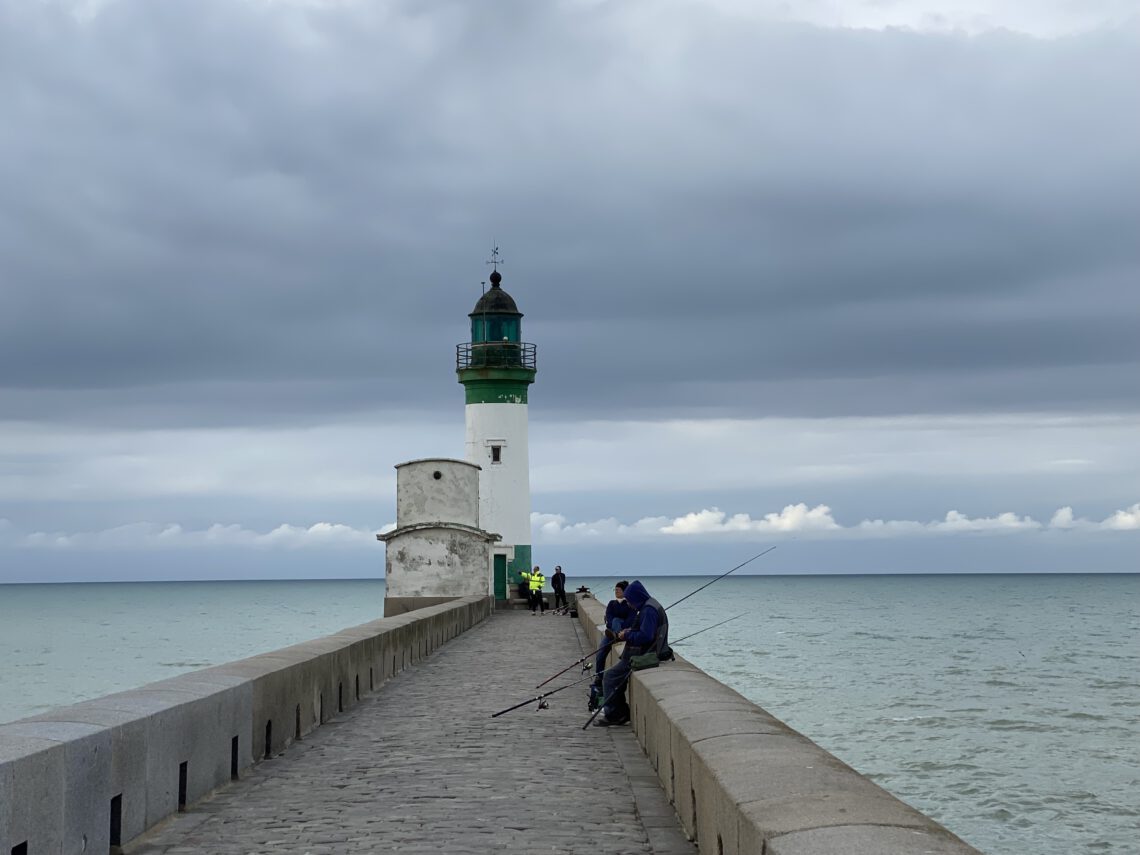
(1007, 707)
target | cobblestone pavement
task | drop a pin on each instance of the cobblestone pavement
(421, 767)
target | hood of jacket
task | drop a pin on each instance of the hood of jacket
(636, 595)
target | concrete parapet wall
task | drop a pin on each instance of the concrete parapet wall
(742, 781)
(74, 778)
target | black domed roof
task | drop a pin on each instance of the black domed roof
(496, 301)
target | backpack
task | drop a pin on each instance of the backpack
(596, 697)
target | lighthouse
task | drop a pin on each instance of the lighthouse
(496, 369)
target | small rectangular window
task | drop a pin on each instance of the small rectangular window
(496, 454)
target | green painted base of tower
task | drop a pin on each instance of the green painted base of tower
(521, 562)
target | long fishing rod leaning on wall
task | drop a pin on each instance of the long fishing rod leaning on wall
(649, 659)
(540, 699)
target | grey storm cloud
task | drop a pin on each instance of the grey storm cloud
(228, 211)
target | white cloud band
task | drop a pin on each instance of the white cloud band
(797, 519)
(801, 520)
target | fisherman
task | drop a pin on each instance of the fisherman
(618, 614)
(537, 580)
(648, 634)
(558, 583)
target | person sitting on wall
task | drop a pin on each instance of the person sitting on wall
(648, 634)
(618, 614)
(558, 583)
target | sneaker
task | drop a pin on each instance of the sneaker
(602, 721)
(611, 635)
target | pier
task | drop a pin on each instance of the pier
(380, 738)
(421, 767)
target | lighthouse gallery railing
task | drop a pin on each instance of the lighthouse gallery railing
(495, 354)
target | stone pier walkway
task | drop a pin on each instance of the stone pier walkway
(421, 767)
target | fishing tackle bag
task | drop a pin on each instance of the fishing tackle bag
(644, 660)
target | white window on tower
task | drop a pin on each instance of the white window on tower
(495, 448)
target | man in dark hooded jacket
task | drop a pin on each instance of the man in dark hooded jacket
(649, 632)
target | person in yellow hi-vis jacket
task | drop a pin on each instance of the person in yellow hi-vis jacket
(524, 585)
(537, 580)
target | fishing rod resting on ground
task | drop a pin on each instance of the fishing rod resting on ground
(544, 695)
(701, 588)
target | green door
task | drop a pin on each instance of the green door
(500, 577)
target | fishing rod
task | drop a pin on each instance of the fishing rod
(722, 575)
(598, 649)
(594, 652)
(621, 685)
(544, 695)
(706, 629)
(618, 689)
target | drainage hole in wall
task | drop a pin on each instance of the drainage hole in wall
(117, 820)
(693, 796)
(183, 776)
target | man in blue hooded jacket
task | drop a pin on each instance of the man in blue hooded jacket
(649, 632)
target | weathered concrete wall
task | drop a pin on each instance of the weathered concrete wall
(143, 752)
(438, 561)
(437, 489)
(437, 549)
(742, 781)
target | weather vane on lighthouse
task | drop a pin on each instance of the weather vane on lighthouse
(496, 260)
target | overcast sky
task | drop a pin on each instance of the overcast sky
(855, 278)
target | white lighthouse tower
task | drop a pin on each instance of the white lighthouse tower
(496, 368)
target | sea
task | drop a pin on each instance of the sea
(1007, 707)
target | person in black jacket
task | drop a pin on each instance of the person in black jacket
(558, 582)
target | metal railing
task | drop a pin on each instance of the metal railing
(495, 354)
